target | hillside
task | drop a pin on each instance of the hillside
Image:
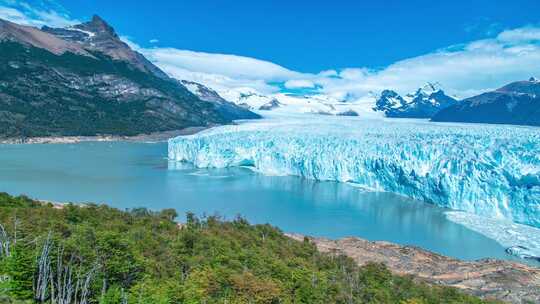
(487, 278)
(53, 85)
(93, 253)
(516, 103)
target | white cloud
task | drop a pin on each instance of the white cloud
(463, 70)
(299, 84)
(328, 73)
(37, 14)
(524, 34)
(469, 69)
(219, 71)
(153, 41)
(226, 65)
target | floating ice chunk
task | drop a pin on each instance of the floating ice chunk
(522, 252)
(489, 170)
(520, 240)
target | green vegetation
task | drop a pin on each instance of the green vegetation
(97, 254)
(43, 94)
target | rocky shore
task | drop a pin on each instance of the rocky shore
(490, 279)
(152, 137)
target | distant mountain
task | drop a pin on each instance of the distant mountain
(424, 103)
(227, 109)
(318, 104)
(516, 103)
(271, 105)
(83, 80)
(246, 98)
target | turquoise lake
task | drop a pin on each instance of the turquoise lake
(128, 175)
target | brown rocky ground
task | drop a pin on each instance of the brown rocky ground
(490, 279)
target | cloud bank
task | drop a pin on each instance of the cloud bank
(463, 70)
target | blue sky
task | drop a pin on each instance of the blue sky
(310, 36)
(339, 48)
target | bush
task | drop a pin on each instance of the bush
(141, 256)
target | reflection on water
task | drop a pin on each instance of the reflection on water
(128, 175)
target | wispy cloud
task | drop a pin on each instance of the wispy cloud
(483, 26)
(39, 13)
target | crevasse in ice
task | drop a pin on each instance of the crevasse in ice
(489, 170)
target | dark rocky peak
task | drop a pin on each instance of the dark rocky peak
(98, 35)
(97, 26)
(533, 79)
(391, 97)
(424, 103)
(389, 93)
(428, 89)
(273, 104)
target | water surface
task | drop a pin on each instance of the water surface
(127, 175)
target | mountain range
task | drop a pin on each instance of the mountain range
(424, 103)
(516, 103)
(83, 80)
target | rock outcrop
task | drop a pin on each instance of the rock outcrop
(490, 279)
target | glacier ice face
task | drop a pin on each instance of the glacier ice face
(489, 170)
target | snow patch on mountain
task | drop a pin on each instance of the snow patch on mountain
(424, 103)
(226, 108)
(301, 104)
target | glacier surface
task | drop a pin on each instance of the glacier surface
(488, 170)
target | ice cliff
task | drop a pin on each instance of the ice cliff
(488, 170)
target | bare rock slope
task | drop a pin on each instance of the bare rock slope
(84, 81)
(489, 279)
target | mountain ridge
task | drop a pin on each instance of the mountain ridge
(93, 84)
(516, 103)
(424, 103)
(98, 35)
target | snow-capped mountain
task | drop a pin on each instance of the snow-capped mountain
(226, 108)
(424, 103)
(247, 98)
(273, 104)
(299, 104)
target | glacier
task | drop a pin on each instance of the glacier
(487, 170)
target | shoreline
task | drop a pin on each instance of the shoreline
(507, 281)
(150, 138)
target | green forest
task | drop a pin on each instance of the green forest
(97, 254)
